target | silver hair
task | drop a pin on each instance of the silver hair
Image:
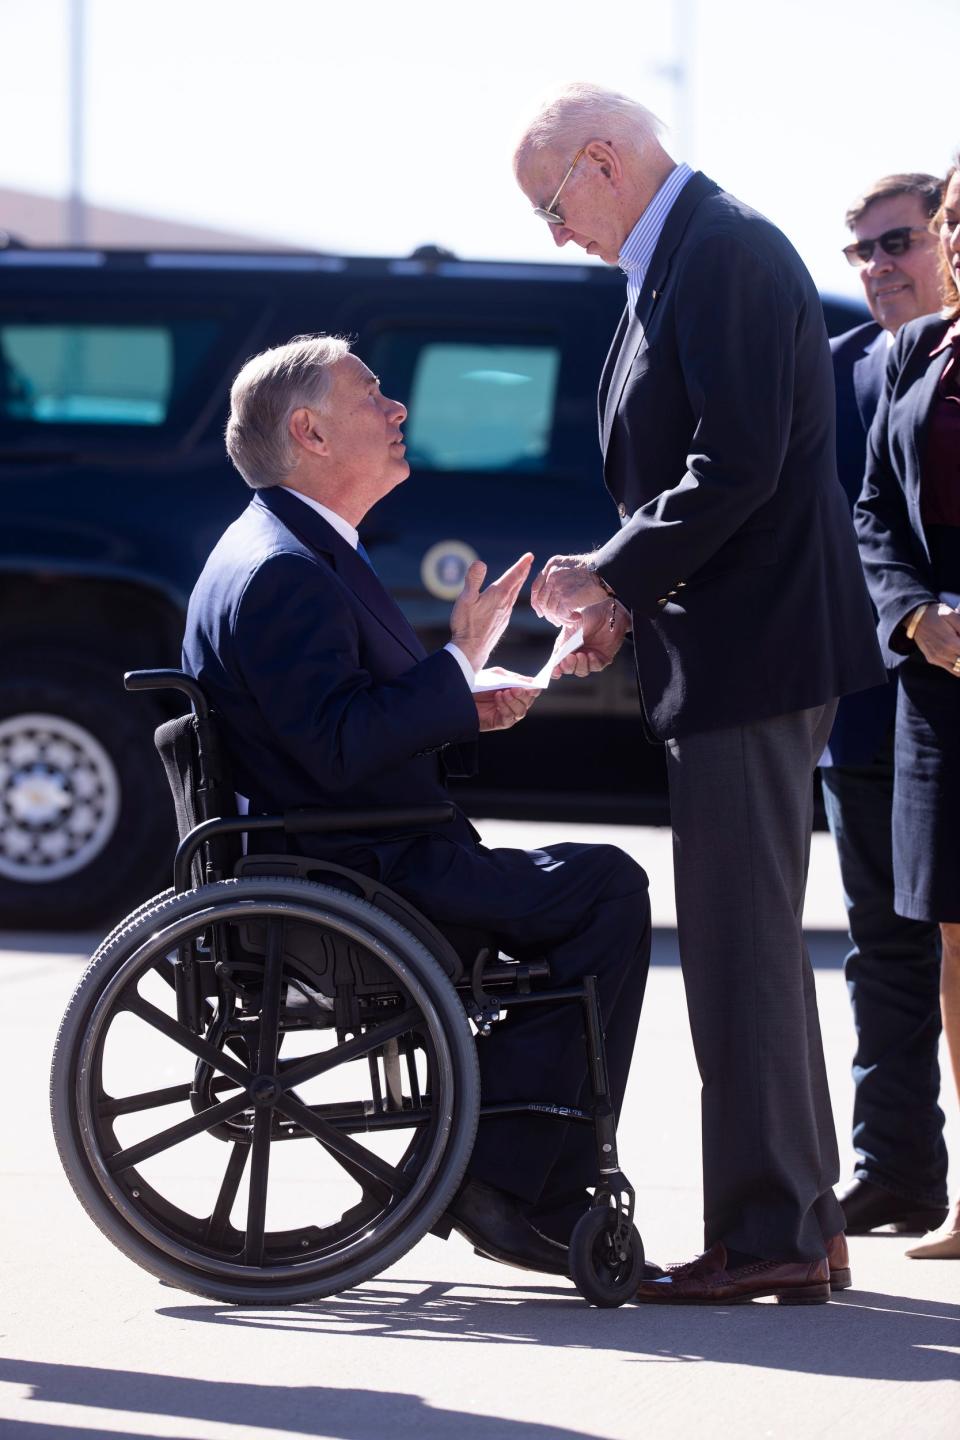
(269, 388)
(582, 112)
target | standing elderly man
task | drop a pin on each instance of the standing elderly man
(893, 967)
(736, 569)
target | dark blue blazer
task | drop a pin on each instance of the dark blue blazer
(326, 694)
(736, 554)
(864, 720)
(893, 545)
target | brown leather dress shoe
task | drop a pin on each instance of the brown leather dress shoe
(707, 1281)
(838, 1258)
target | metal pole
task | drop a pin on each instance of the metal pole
(76, 214)
(684, 26)
(676, 71)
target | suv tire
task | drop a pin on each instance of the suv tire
(85, 817)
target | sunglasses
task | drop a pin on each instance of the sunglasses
(891, 242)
(549, 212)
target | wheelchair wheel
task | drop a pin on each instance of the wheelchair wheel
(598, 1273)
(127, 920)
(177, 1134)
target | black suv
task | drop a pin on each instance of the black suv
(114, 372)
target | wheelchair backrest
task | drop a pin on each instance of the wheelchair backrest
(201, 786)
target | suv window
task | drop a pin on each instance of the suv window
(97, 374)
(474, 405)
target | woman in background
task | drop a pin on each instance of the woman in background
(908, 523)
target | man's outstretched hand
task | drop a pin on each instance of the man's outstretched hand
(564, 587)
(499, 709)
(479, 617)
(601, 641)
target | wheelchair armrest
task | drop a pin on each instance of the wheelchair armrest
(321, 822)
(169, 680)
(299, 822)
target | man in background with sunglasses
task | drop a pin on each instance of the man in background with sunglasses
(735, 566)
(893, 967)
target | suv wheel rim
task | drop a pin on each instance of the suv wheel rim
(59, 798)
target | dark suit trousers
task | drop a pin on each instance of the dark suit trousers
(585, 909)
(893, 976)
(741, 802)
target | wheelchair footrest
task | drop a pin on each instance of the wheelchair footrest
(442, 1227)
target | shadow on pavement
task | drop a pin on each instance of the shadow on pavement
(31, 1430)
(347, 1414)
(861, 1335)
(827, 947)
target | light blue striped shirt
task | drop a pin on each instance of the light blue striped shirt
(638, 248)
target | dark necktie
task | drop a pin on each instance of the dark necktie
(362, 552)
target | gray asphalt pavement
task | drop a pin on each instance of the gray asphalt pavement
(448, 1346)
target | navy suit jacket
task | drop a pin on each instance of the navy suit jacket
(736, 554)
(864, 720)
(327, 696)
(893, 545)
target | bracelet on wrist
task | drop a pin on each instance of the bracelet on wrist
(915, 618)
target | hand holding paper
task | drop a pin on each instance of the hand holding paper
(496, 678)
(605, 626)
(499, 709)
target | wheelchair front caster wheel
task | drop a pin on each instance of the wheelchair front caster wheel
(595, 1268)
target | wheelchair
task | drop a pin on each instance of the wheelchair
(266, 999)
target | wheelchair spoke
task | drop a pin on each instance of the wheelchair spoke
(229, 1186)
(176, 1134)
(185, 1037)
(270, 1004)
(257, 1198)
(409, 1051)
(298, 1072)
(112, 1105)
(148, 1100)
(374, 1175)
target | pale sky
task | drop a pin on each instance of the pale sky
(369, 128)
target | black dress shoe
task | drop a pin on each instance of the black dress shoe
(867, 1206)
(496, 1226)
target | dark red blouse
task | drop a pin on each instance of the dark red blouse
(940, 483)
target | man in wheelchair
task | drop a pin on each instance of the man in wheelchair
(326, 698)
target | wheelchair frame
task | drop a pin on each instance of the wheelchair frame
(196, 925)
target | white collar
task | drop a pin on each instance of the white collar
(343, 527)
